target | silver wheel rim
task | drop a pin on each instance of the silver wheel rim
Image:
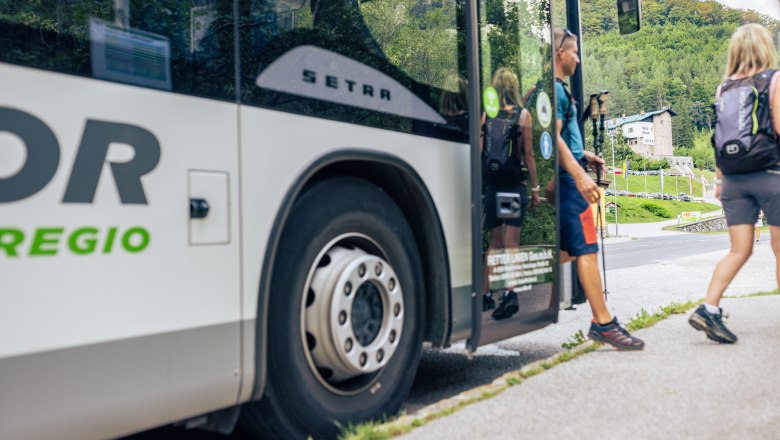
(352, 313)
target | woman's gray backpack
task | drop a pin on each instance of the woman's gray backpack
(502, 157)
(744, 139)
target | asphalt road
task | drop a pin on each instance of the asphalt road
(653, 249)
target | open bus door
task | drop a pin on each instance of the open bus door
(516, 236)
(518, 284)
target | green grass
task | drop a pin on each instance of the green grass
(574, 340)
(632, 209)
(645, 319)
(751, 295)
(672, 185)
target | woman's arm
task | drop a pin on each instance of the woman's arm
(774, 104)
(530, 160)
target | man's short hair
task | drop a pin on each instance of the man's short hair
(562, 38)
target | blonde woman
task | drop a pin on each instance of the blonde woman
(751, 60)
(512, 124)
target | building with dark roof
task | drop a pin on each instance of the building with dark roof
(648, 134)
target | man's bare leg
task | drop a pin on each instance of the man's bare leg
(590, 279)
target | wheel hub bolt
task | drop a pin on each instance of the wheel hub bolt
(348, 288)
(391, 284)
(362, 270)
(378, 269)
(397, 309)
(342, 317)
(380, 355)
(363, 359)
(348, 345)
(392, 336)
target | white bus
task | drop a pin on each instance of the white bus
(252, 211)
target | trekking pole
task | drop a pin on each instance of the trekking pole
(602, 99)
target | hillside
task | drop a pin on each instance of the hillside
(676, 60)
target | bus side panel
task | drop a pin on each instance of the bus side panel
(112, 317)
(277, 147)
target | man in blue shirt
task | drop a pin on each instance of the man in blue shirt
(577, 191)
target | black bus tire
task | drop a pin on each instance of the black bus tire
(298, 400)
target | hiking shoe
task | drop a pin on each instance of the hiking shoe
(507, 307)
(712, 325)
(615, 335)
(488, 302)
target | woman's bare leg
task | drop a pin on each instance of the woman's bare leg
(741, 249)
(774, 233)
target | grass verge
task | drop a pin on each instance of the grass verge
(575, 346)
(638, 210)
(751, 295)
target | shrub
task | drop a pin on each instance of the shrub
(656, 209)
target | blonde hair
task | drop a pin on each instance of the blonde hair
(750, 50)
(508, 88)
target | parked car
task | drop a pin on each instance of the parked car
(687, 198)
(667, 196)
(609, 192)
(654, 196)
(643, 195)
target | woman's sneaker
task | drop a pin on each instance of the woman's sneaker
(507, 306)
(615, 335)
(712, 324)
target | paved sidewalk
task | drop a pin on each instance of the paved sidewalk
(529, 415)
(681, 386)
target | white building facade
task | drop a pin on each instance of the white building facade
(648, 134)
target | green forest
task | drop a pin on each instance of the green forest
(675, 61)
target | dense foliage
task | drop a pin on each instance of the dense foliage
(675, 61)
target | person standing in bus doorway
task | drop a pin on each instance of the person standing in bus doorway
(508, 163)
(747, 106)
(577, 190)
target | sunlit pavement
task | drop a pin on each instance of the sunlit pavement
(632, 289)
(681, 386)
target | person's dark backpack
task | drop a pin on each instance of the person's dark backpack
(744, 139)
(502, 158)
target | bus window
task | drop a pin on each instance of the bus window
(519, 224)
(154, 44)
(388, 64)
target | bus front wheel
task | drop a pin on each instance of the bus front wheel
(345, 307)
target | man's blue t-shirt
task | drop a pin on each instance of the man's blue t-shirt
(570, 131)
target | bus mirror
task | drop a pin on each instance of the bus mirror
(629, 15)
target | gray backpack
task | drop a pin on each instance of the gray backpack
(744, 139)
(502, 157)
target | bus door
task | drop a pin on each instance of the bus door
(519, 231)
(118, 215)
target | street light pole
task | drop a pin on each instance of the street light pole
(614, 178)
(645, 171)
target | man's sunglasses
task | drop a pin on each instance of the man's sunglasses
(566, 34)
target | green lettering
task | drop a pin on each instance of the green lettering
(15, 236)
(88, 245)
(138, 247)
(40, 241)
(109, 240)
